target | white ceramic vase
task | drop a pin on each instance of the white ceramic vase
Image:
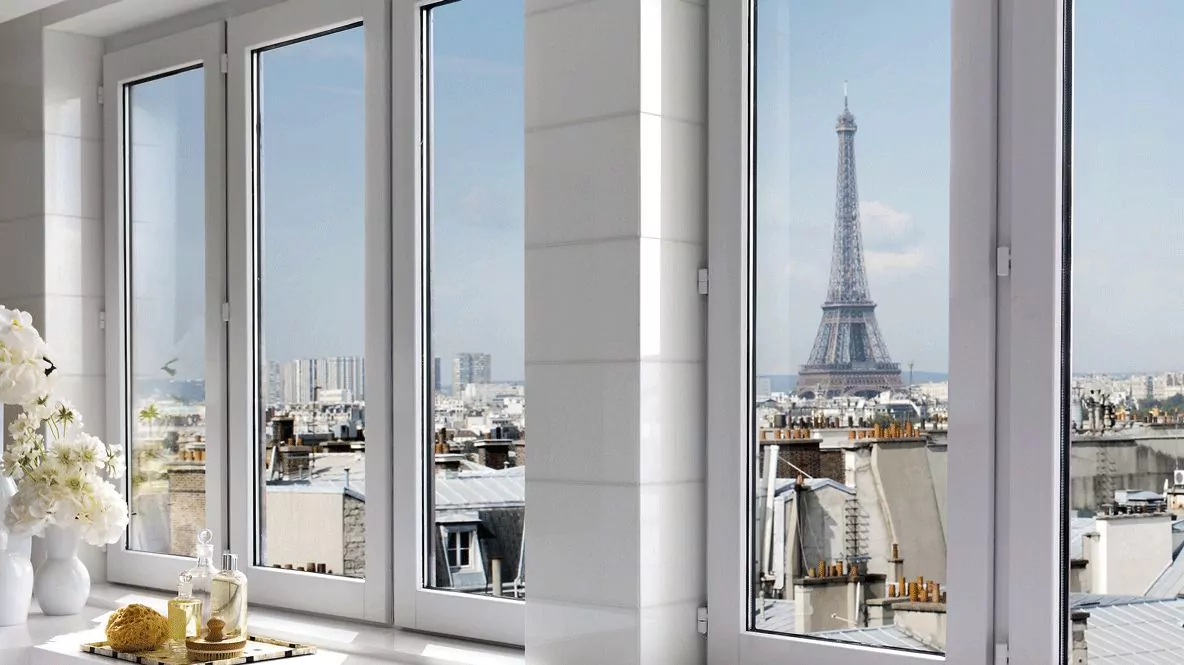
(16, 584)
(16, 544)
(62, 583)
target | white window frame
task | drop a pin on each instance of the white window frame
(367, 599)
(417, 606)
(396, 586)
(199, 46)
(465, 541)
(971, 633)
(1030, 605)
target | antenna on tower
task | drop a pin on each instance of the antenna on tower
(844, 94)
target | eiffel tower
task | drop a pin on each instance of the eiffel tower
(849, 355)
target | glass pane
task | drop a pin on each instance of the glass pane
(1125, 389)
(477, 315)
(165, 158)
(312, 369)
(848, 447)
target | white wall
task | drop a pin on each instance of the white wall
(51, 249)
(615, 376)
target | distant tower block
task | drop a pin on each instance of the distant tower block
(849, 356)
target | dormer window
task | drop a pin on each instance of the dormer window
(460, 549)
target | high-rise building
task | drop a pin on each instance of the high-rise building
(437, 375)
(301, 379)
(849, 355)
(470, 368)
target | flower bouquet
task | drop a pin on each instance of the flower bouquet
(60, 471)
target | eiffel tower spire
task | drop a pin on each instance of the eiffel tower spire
(849, 356)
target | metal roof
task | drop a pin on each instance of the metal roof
(777, 616)
(1142, 633)
(500, 488)
(1090, 601)
(885, 636)
(1170, 582)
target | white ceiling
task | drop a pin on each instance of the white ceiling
(10, 9)
(125, 15)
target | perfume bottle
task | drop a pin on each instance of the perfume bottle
(228, 597)
(202, 575)
(184, 616)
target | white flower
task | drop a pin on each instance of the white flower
(66, 415)
(39, 408)
(23, 361)
(29, 511)
(102, 515)
(90, 451)
(58, 481)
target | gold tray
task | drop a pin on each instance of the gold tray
(258, 649)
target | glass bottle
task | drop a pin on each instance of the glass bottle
(202, 575)
(228, 596)
(184, 616)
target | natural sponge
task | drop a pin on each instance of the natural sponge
(136, 628)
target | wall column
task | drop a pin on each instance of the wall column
(615, 345)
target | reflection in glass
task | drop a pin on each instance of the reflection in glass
(165, 158)
(848, 506)
(311, 364)
(1124, 384)
(478, 444)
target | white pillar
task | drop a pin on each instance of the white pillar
(615, 376)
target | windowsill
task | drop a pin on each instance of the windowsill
(54, 640)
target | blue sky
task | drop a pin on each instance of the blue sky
(313, 189)
(1129, 182)
(895, 57)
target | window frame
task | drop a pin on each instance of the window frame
(1033, 551)
(417, 606)
(365, 599)
(463, 549)
(973, 519)
(201, 46)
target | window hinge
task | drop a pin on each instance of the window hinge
(1001, 655)
(102, 320)
(1003, 261)
(704, 281)
(100, 95)
(701, 620)
(225, 312)
(224, 61)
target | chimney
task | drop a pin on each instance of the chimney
(448, 461)
(1078, 650)
(494, 452)
(1129, 553)
(923, 619)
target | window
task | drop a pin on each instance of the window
(851, 390)
(310, 127)
(165, 158)
(460, 549)
(476, 291)
(166, 348)
(1124, 427)
(308, 300)
(841, 362)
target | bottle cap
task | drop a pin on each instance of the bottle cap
(205, 544)
(184, 586)
(229, 561)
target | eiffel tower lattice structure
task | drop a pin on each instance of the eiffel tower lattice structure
(849, 356)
